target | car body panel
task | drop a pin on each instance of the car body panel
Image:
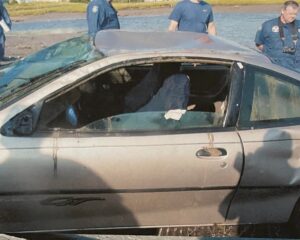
(272, 156)
(121, 173)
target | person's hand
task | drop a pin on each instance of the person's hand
(260, 47)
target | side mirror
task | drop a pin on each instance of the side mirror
(21, 125)
(24, 123)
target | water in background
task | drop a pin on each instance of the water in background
(238, 27)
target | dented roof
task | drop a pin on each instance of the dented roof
(113, 42)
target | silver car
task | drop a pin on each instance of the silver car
(147, 130)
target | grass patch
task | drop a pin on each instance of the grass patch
(43, 8)
(47, 7)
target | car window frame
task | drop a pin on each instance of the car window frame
(247, 94)
(70, 132)
(229, 122)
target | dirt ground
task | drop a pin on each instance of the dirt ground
(22, 45)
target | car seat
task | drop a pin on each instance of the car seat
(174, 94)
(139, 95)
(143, 91)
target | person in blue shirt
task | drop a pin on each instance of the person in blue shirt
(4, 17)
(101, 15)
(278, 38)
(192, 16)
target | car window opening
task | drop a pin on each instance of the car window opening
(148, 97)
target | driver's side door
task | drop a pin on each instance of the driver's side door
(174, 172)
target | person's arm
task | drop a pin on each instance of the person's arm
(1, 11)
(6, 18)
(259, 39)
(211, 28)
(92, 19)
(175, 17)
(101, 18)
(173, 26)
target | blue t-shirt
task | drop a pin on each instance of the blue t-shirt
(101, 15)
(192, 17)
(268, 35)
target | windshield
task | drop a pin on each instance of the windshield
(46, 64)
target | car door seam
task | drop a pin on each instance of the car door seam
(240, 179)
(55, 150)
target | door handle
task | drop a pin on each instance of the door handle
(211, 153)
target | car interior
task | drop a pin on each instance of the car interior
(142, 97)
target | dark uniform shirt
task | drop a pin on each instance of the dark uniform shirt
(269, 36)
(101, 15)
(192, 17)
(5, 17)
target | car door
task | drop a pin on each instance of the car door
(140, 175)
(269, 129)
(27, 172)
(180, 174)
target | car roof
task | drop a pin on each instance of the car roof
(116, 42)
